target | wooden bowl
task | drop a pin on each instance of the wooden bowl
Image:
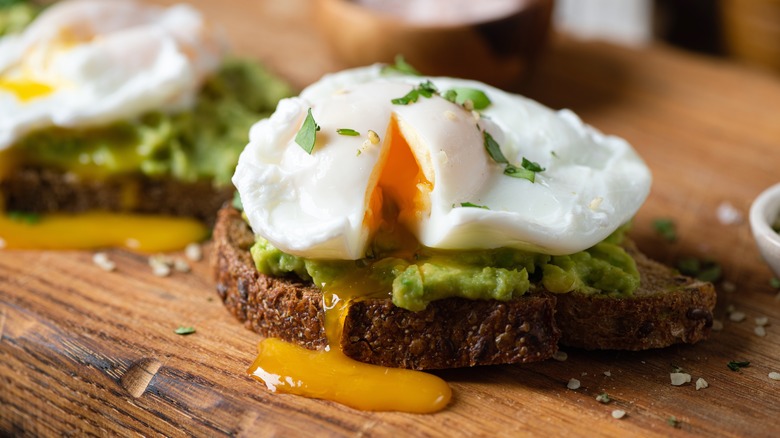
(498, 51)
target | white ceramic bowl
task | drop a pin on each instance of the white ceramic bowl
(763, 213)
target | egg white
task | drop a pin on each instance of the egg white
(315, 205)
(103, 61)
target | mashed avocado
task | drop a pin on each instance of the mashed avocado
(429, 275)
(200, 144)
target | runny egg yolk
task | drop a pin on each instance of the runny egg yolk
(329, 374)
(25, 89)
(144, 233)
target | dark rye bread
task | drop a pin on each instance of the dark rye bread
(457, 332)
(449, 333)
(40, 190)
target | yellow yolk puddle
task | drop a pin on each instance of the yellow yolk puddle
(25, 89)
(329, 374)
(145, 233)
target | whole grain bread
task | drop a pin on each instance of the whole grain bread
(456, 332)
(40, 190)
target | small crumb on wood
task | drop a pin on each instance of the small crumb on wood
(728, 286)
(717, 325)
(603, 398)
(618, 414)
(180, 265)
(103, 262)
(608, 373)
(701, 384)
(680, 378)
(759, 330)
(573, 384)
(737, 316)
(161, 265)
(774, 375)
(762, 320)
(193, 252)
(560, 356)
(728, 214)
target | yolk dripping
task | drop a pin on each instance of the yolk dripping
(329, 374)
(92, 230)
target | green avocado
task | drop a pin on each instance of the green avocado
(428, 275)
(199, 144)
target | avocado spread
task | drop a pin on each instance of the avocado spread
(199, 144)
(428, 275)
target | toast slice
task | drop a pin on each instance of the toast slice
(457, 332)
(39, 190)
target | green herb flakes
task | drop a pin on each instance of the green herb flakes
(494, 150)
(24, 217)
(400, 67)
(774, 282)
(666, 228)
(347, 132)
(308, 133)
(736, 365)
(461, 95)
(704, 270)
(673, 421)
(425, 89)
(519, 172)
(469, 204)
(603, 398)
(527, 170)
(182, 330)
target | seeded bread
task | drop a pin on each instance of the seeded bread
(40, 190)
(457, 332)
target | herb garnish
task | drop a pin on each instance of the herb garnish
(774, 282)
(704, 270)
(22, 216)
(603, 398)
(469, 204)
(673, 421)
(461, 95)
(182, 330)
(528, 168)
(666, 228)
(237, 204)
(308, 133)
(736, 365)
(425, 89)
(348, 132)
(400, 66)
(494, 150)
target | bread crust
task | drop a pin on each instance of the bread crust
(39, 190)
(465, 332)
(456, 332)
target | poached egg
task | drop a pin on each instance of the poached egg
(425, 166)
(83, 63)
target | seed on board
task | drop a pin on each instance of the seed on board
(573, 384)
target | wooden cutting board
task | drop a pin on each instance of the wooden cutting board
(86, 352)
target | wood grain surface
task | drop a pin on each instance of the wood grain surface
(88, 352)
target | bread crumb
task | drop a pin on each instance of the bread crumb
(728, 214)
(161, 265)
(759, 330)
(608, 373)
(618, 414)
(193, 252)
(103, 262)
(560, 356)
(181, 265)
(717, 325)
(762, 320)
(701, 384)
(680, 378)
(573, 384)
(774, 375)
(737, 316)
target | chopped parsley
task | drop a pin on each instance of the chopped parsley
(527, 169)
(237, 204)
(673, 421)
(182, 330)
(704, 270)
(425, 89)
(603, 398)
(666, 228)
(25, 217)
(469, 204)
(348, 132)
(774, 282)
(401, 67)
(308, 133)
(461, 95)
(736, 365)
